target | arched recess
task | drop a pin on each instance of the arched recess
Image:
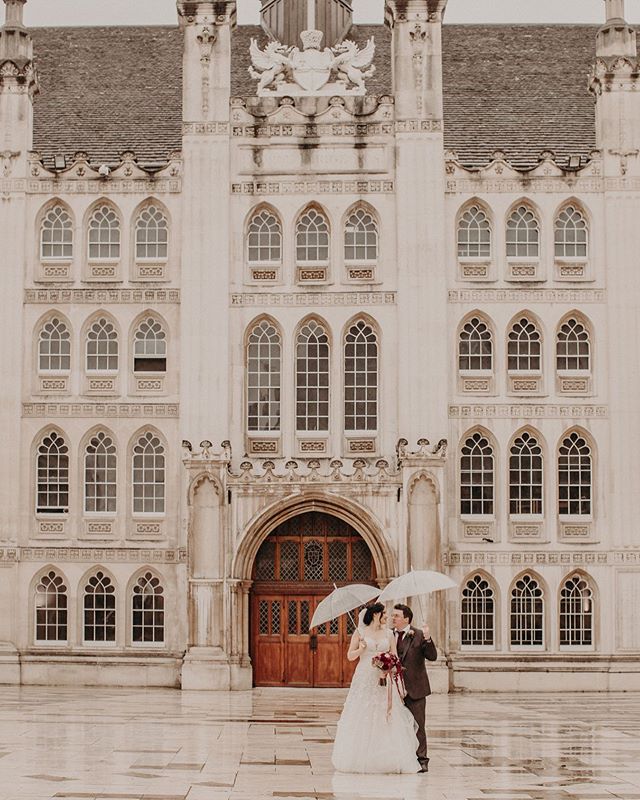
(205, 551)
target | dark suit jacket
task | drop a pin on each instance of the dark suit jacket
(413, 652)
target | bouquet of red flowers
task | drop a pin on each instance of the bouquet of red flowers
(389, 665)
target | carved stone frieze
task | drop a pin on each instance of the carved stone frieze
(313, 470)
(92, 296)
(89, 410)
(314, 299)
(527, 411)
(143, 187)
(102, 554)
(527, 296)
(533, 558)
(313, 187)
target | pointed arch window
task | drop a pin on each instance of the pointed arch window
(524, 347)
(523, 234)
(104, 234)
(576, 613)
(312, 378)
(264, 239)
(56, 234)
(574, 476)
(573, 347)
(478, 613)
(527, 613)
(361, 237)
(361, 378)
(475, 347)
(99, 605)
(52, 475)
(474, 234)
(476, 476)
(150, 347)
(263, 378)
(100, 466)
(51, 601)
(148, 475)
(312, 238)
(571, 234)
(54, 347)
(102, 347)
(525, 476)
(147, 610)
(152, 235)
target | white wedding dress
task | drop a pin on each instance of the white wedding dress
(366, 740)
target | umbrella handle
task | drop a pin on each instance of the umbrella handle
(348, 612)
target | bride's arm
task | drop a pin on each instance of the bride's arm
(357, 646)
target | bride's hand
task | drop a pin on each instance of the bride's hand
(362, 646)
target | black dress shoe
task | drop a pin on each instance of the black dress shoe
(424, 766)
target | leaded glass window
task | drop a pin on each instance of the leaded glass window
(474, 234)
(99, 609)
(361, 378)
(574, 476)
(102, 347)
(150, 347)
(573, 347)
(152, 235)
(148, 475)
(525, 476)
(313, 561)
(100, 487)
(475, 347)
(264, 239)
(571, 234)
(576, 613)
(312, 238)
(476, 476)
(361, 237)
(524, 347)
(477, 623)
(527, 613)
(104, 234)
(147, 610)
(52, 478)
(51, 609)
(523, 234)
(263, 378)
(312, 378)
(56, 235)
(54, 347)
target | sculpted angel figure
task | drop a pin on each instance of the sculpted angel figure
(352, 63)
(273, 60)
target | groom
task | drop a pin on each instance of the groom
(414, 647)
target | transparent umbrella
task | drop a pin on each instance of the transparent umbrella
(341, 601)
(415, 584)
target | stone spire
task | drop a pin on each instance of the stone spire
(18, 84)
(15, 42)
(616, 37)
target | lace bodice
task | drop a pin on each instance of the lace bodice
(377, 641)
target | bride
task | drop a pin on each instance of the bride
(371, 738)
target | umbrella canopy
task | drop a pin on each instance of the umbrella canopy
(415, 583)
(342, 600)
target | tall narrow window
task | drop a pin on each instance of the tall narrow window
(51, 609)
(54, 347)
(100, 464)
(150, 347)
(312, 378)
(525, 476)
(52, 479)
(523, 234)
(574, 476)
(56, 235)
(474, 234)
(264, 239)
(571, 234)
(148, 475)
(102, 347)
(147, 610)
(104, 234)
(527, 613)
(524, 347)
(361, 378)
(476, 476)
(152, 235)
(312, 238)
(576, 613)
(475, 347)
(573, 348)
(361, 237)
(99, 609)
(477, 623)
(263, 378)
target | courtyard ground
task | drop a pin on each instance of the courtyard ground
(160, 744)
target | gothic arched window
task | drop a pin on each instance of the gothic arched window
(150, 347)
(147, 610)
(102, 347)
(99, 605)
(54, 347)
(361, 378)
(475, 346)
(573, 347)
(474, 234)
(525, 476)
(152, 234)
(574, 476)
(524, 347)
(576, 613)
(56, 234)
(148, 475)
(527, 613)
(51, 609)
(312, 237)
(100, 464)
(263, 378)
(52, 475)
(104, 234)
(264, 239)
(523, 234)
(476, 476)
(571, 234)
(361, 237)
(478, 613)
(312, 378)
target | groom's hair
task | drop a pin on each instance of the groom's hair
(407, 613)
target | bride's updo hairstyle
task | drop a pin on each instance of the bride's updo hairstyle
(369, 614)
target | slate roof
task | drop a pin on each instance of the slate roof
(518, 88)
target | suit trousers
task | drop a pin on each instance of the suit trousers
(418, 708)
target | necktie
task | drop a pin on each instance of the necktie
(400, 637)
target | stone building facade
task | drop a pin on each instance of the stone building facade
(258, 341)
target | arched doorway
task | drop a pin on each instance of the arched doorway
(296, 566)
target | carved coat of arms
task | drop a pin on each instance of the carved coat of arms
(282, 70)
